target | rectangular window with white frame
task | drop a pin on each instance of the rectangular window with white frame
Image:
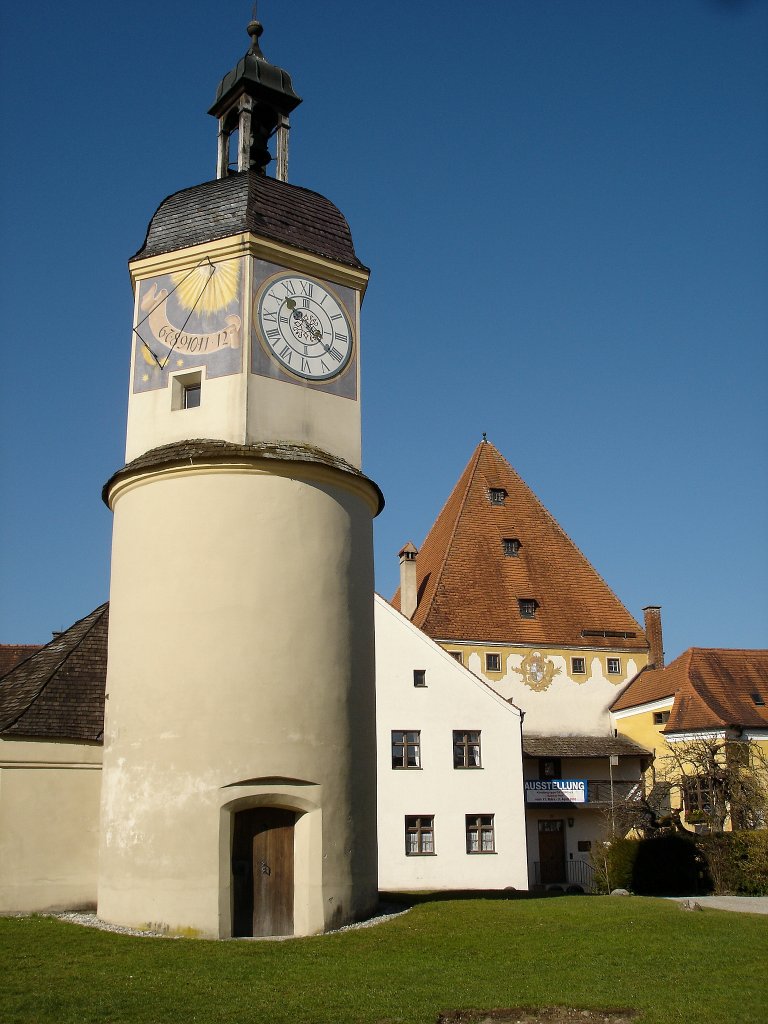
(466, 749)
(419, 835)
(481, 837)
(493, 663)
(578, 666)
(406, 748)
(614, 666)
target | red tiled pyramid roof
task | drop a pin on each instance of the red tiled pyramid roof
(469, 590)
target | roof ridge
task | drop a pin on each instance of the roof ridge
(97, 614)
(462, 506)
(730, 650)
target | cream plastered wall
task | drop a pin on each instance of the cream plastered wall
(637, 724)
(539, 680)
(241, 407)
(590, 822)
(49, 822)
(452, 699)
(240, 672)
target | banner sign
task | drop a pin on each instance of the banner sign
(556, 791)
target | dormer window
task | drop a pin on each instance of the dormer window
(511, 547)
(757, 698)
(527, 606)
(496, 495)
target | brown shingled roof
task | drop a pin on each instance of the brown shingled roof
(469, 590)
(651, 684)
(712, 687)
(58, 692)
(12, 654)
(582, 746)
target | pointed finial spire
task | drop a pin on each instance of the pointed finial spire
(485, 436)
(255, 29)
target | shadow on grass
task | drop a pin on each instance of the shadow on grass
(411, 899)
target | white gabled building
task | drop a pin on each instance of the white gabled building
(451, 811)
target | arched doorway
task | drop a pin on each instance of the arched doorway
(262, 872)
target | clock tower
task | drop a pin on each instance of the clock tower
(239, 792)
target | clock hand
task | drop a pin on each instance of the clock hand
(316, 334)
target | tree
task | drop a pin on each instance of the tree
(706, 780)
(720, 780)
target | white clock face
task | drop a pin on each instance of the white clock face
(304, 327)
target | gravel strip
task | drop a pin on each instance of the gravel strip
(90, 920)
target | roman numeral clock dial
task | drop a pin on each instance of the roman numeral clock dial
(304, 327)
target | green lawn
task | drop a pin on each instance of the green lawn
(599, 952)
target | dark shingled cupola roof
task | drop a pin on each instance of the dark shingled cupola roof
(250, 202)
(254, 75)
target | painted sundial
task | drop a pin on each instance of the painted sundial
(189, 318)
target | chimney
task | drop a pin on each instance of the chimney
(655, 638)
(408, 591)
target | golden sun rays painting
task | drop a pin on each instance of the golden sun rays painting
(189, 318)
(208, 288)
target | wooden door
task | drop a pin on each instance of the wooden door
(262, 872)
(552, 851)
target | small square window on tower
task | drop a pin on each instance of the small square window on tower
(497, 495)
(493, 663)
(511, 547)
(527, 606)
(186, 390)
(419, 677)
(192, 396)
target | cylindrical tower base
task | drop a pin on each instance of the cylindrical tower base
(239, 761)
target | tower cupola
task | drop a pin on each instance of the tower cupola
(254, 99)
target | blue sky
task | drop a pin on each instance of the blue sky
(563, 204)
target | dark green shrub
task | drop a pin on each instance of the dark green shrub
(669, 865)
(737, 861)
(614, 863)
